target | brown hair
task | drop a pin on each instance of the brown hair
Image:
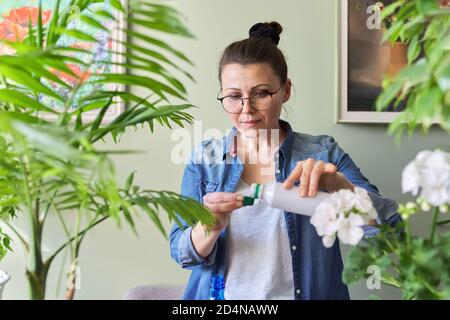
(260, 47)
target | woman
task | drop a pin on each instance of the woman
(259, 252)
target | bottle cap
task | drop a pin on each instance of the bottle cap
(255, 193)
(255, 190)
(248, 201)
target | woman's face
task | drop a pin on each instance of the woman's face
(243, 81)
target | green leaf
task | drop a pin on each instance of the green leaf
(6, 242)
(94, 23)
(45, 140)
(390, 9)
(146, 82)
(158, 113)
(21, 77)
(58, 64)
(126, 96)
(105, 14)
(161, 26)
(426, 7)
(161, 44)
(160, 72)
(53, 24)
(17, 98)
(151, 53)
(411, 28)
(31, 36)
(413, 49)
(117, 5)
(128, 218)
(442, 75)
(445, 42)
(393, 33)
(35, 66)
(99, 118)
(141, 202)
(129, 182)
(40, 32)
(133, 57)
(427, 103)
(434, 29)
(77, 34)
(388, 94)
(96, 104)
(414, 74)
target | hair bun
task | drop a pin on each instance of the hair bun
(268, 30)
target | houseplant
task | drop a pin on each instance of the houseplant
(417, 266)
(55, 167)
(398, 49)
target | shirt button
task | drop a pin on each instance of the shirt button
(277, 171)
(298, 291)
(294, 247)
(277, 155)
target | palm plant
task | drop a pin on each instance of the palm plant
(53, 166)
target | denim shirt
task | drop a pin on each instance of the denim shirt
(214, 167)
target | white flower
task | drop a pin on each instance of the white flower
(343, 214)
(350, 230)
(364, 203)
(429, 172)
(325, 219)
(411, 179)
(328, 241)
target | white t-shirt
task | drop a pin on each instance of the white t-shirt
(258, 258)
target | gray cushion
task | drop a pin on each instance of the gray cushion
(162, 292)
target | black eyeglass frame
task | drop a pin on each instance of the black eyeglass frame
(242, 100)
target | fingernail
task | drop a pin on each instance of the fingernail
(239, 204)
(311, 193)
(240, 198)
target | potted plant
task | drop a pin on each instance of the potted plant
(391, 254)
(418, 266)
(398, 49)
(54, 167)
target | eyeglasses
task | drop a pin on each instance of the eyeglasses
(260, 100)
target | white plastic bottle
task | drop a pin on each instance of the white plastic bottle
(275, 195)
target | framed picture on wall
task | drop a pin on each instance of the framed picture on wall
(14, 20)
(365, 61)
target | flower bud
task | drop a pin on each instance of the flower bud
(425, 206)
(411, 205)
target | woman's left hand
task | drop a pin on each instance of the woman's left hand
(316, 174)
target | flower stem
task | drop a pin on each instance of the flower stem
(408, 233)
(433, 226)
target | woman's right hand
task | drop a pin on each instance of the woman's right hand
(221, 204)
